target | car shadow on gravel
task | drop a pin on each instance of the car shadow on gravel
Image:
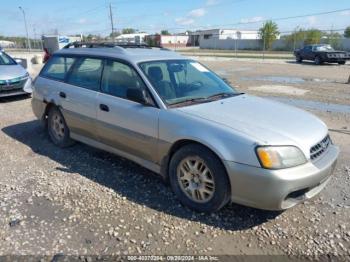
(13, 98)
(130, 180)
(305, 63)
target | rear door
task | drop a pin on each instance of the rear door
(123, 124)
(78, 96)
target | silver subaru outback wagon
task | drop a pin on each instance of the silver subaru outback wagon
(175, 117)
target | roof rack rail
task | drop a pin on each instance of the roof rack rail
(109, 45)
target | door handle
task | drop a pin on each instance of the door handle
(104, 108)
(62, 94)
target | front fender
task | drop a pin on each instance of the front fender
(226, 143)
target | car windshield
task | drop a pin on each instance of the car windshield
(185, 81)
(6, 60)
(323, 48)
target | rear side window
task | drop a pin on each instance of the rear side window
(86, 73)
(57, 67)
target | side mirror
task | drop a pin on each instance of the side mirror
(18, 61)
(136, 95)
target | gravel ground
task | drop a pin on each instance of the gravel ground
(83, 201)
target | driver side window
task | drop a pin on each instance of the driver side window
(118, 78)
(308, 48)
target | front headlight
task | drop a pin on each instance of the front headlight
(24, 77)
(278, 157)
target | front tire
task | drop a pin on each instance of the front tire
(318, 60)
(341, 63)
(58, 129)
(199, 179)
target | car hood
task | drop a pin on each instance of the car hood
(332, 52)
(11, 71)
(267, 122)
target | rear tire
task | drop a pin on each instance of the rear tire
(58, 129)
(318, 60)
(298, 59)
(199, 179)
(341, 63)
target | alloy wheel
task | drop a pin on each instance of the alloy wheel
(196, 179)
(57, 127)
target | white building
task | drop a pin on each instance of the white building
(136, 38)
(174, 40)
(6, 44)
(55, 42)
(169, 41)
(223, 34)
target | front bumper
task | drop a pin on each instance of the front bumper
(336, 59)
(12, 93)
(16, 89)
(280, 189)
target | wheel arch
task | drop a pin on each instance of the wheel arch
(48, 106)
(179, 144)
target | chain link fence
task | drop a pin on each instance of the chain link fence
(22, 44)
(287, 41)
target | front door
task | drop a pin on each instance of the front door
(124, 124)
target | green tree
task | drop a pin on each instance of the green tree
(312, 36)
(347, 32)
(295, 39)
(268, 33)
(129, 31)
(164, 32)
(333, 39)
(114, 34)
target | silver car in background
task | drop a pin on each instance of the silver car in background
(14, 79)
(175, 117)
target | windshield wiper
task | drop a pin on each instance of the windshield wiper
(206, 99)
(223, 95)
(192, 100)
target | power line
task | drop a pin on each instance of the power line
(273, 19)
(251, 22)
(260, 21)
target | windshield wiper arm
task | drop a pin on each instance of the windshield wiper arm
(224, 95)
(192, 100)
(206, 99)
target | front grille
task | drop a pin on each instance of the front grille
(14, 85)
(319, 149)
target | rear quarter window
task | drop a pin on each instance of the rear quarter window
(57, 67)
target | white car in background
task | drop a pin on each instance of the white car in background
(14, 79)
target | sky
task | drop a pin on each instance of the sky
(92, 16)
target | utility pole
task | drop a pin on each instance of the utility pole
(25, 24)
(111, 16)
(35, 40)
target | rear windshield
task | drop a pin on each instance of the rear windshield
(6, 60)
